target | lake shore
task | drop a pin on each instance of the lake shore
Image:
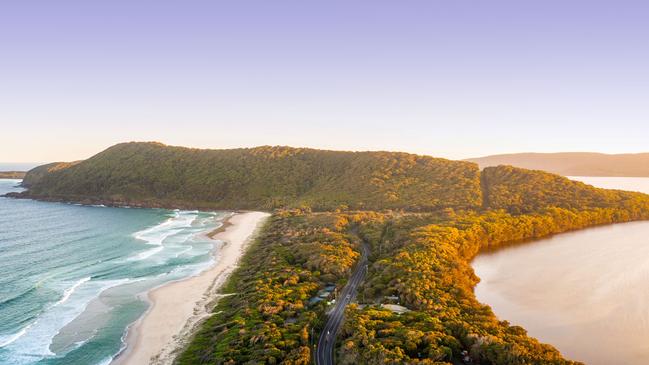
(177, 308)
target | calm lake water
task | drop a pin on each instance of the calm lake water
(71, 277)
(586, 292)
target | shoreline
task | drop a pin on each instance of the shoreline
(125, 203)
(177, 308)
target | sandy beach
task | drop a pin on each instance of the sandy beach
(178, 307)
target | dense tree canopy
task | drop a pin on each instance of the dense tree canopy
(267, 317)
(423, 218)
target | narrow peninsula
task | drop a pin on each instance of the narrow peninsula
(422, 219)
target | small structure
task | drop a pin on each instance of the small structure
(323, 294)
(315, 300)
(465, 357)
(327, 291)
(398, 309)
(330, 288)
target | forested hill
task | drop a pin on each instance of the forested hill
(153, 174)
(574, 163)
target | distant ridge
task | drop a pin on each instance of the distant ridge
(12, 174)
(574, 163)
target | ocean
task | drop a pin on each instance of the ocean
(26, 166)
(73, 278)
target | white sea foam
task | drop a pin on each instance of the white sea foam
(35, 340)
(146, 254)
(68, 292)
(9, 339)
(183, 252)
(157, 234)
(106, 361)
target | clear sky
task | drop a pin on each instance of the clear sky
(452, 78)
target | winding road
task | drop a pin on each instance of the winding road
(324, 354)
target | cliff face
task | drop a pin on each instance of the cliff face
(152, 174)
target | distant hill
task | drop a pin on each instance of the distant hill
(12, 174)
(574, 163)
(153, 174)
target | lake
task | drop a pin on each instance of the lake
(585, 292)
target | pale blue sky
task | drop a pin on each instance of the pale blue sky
(454, 79)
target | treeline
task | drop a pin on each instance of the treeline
(152, 174)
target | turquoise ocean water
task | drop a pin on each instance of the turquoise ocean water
(72, 277)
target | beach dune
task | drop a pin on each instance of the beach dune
(178, 307)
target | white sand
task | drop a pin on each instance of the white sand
(178, 307)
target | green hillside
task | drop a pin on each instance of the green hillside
(153, 174)
(265, 178)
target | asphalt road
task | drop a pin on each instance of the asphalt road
(324, 354)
